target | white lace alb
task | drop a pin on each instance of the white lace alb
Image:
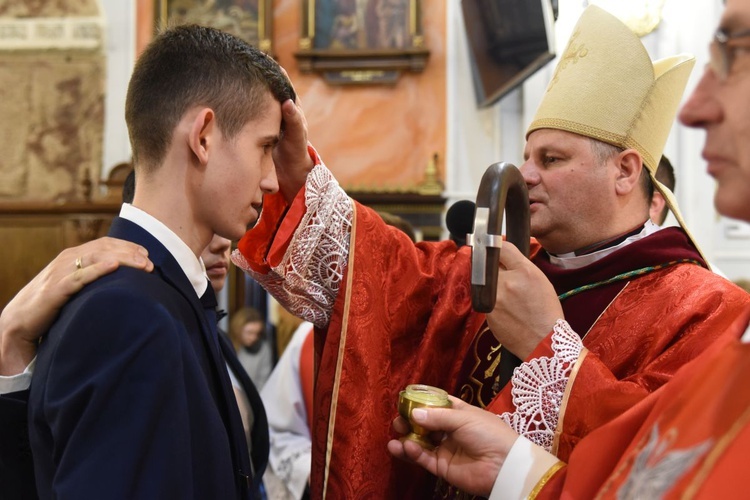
(538, 387)
(307, 280)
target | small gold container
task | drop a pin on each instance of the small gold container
(420, 396)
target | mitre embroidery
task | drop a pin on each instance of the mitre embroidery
(571, 56)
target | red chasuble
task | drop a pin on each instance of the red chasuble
(689, 439)
(637, 332)
(403, 315)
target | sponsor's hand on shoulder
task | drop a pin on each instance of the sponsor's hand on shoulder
(31, 312)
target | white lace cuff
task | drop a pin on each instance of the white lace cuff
(538, 387)
(307, 280)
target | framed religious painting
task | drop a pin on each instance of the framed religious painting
(361, 41)
(250, 20)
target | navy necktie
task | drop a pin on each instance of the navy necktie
(208, 299)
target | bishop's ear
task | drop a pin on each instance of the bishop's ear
(630, 165)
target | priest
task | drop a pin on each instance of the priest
(389, 313)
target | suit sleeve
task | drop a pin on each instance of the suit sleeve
(115, 402)
(16, 465)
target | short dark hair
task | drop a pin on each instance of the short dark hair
(665, 173)
(191, 65)
(128, 188)
(605, 151)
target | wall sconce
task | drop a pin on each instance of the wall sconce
(641, 16)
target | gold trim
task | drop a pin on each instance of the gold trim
(162, 14)
(545, 479)
(261, 22)
(342, 343)
(574, 374)
(566, 396)
(311, 20)
(715, 453)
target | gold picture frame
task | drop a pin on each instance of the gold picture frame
(250, 20)
(361, 41)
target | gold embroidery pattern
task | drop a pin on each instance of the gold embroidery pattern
(481, 384)
(572, 55)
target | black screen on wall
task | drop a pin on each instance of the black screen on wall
(509, 40)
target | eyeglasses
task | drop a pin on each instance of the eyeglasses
(723, 54)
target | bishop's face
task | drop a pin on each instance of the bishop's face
(571, 194)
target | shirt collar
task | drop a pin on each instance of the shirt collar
(193, 267)
(573, 261)
(746, 336)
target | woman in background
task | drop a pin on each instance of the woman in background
(247, 331)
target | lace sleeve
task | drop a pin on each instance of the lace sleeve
(307, 280)
(538, 387)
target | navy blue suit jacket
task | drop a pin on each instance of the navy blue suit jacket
(130, 397)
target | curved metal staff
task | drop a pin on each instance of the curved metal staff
(502, 188)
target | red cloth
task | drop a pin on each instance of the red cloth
(688, 439)
(638, 343)
(403, 315)
(307, 375)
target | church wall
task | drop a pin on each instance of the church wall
(385, 136)
(479, 137)
(52, 77)
(373, 137)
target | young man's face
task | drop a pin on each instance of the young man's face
(721, 108)
(216, 259)
(572, 201)
(241, 171)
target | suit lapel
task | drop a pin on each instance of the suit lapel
(170, 271)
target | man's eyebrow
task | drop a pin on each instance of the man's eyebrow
(733, 23)
(273, 139)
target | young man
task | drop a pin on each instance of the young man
(390, 322)
(390, 313)
(130, 397)
(22, 320)
(690, 438)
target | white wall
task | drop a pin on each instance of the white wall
(480, 137)
(120, 43)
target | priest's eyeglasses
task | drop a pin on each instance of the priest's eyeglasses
(723, 54)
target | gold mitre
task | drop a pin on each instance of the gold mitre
(606, 87)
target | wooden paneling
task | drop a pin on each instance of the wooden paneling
(32, 234)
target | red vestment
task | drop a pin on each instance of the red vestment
(403, 315)
(690, 439)
(653, 325)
